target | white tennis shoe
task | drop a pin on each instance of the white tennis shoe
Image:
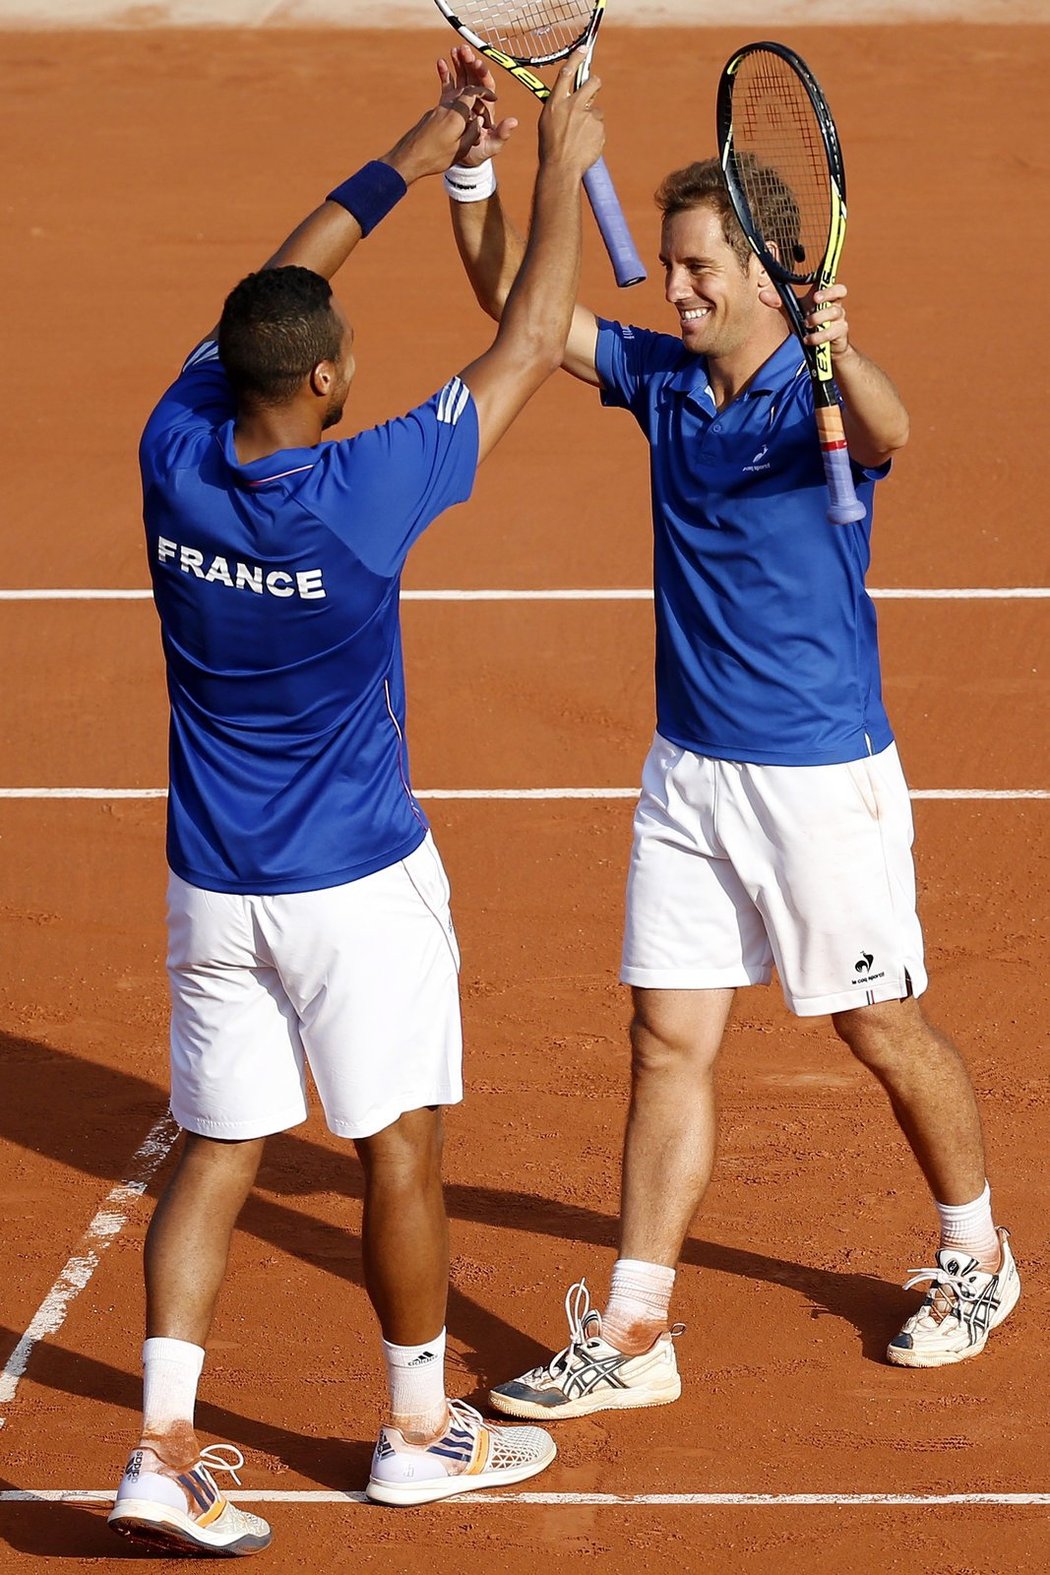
(182, 1512)
(592, 1375)
(468, 1455)
(962, 1306)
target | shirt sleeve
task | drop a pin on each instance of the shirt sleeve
(860, 472)
(199, 401)
(385, 486)
(627, 360)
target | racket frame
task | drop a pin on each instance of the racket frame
(628, 267)
(844, 507)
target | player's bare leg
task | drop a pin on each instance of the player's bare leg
(187, 1247)
(625, 1357)
(405, 1230)
(431, 1447)
(929, 1090)
(669, 1142)
(188, 1241)
(168, 1498)
(973, 1284)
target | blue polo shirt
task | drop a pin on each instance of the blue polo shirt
(277, 587)
(766, 647)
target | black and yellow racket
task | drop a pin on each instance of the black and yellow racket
(783, 165)
(519, 34)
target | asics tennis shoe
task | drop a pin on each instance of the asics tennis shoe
(468, 1455)
(592, 1375)
(962, 1306)
(182, 1511)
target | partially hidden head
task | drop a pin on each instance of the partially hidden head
(283, 339)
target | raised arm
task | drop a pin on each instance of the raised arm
(873, 413)
(324, 240)
(489, 245)
(537, 310)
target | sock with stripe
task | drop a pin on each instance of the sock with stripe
(416, 1379)
(969, 1227)
(639, 1298)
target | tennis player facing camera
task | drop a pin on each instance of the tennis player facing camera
(774, 824)
(308, 909)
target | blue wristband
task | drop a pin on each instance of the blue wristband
(370, 194)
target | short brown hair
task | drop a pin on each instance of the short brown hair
(771, 200)
(702, 185)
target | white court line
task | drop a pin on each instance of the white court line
(636, 594)
(104, 1228)
(613, 1500)
(505, 793)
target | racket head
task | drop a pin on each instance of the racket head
(782, 163)
(529, 32)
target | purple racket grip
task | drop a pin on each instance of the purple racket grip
(844, 507)
(627, 265)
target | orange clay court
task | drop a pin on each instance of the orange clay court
(145, 173)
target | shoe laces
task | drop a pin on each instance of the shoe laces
(946, 1290)
(466, 1415)
(585, 1323)
(214, 1461)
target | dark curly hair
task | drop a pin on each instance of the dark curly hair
(276, 326)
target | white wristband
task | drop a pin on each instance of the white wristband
(465, 184)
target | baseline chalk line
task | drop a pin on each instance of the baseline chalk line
(611, 1500)
(102, 1231)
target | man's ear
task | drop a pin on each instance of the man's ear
(321, 378)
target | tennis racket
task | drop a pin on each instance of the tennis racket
(517, 34)
(783, 166)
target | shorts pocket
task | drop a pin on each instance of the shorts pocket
(427, 875)
(862, 778)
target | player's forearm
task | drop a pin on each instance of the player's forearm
(873, 415)
(322, 242)
(541, 299)
(490, 248)
(327, 236)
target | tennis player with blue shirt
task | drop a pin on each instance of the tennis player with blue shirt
(774, 824)
(308, 909)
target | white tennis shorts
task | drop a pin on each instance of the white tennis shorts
(360, 981)
(736, 867)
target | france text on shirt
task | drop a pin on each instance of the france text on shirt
(304, 583)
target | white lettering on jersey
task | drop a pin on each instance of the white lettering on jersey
(220, 570)
(307, 584)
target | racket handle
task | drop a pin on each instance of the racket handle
(627, 265)
(844, 508)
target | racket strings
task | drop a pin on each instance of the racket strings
(536, 30)
(782, 162)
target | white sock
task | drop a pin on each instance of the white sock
(969, 1227)
(416, 1378)
(170, 1372)
(638, 1301)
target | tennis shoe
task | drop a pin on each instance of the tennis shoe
(180, 1510)
(962, 1306)
(468, 1455)
(592, 1375)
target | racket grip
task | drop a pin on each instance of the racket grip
(627, 265)
(844, 507)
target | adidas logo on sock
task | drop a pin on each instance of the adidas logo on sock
(418, 1361)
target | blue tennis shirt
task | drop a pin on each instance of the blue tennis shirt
(277, 586)
(766, 646)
